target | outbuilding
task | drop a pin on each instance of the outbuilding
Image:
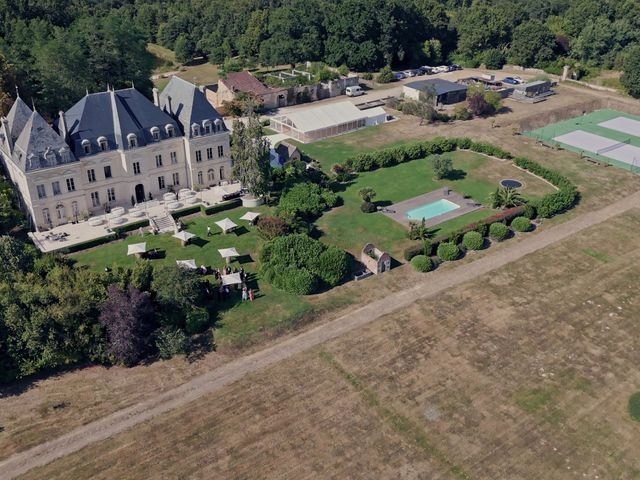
(444, 91)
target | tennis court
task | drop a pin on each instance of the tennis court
(608, 136)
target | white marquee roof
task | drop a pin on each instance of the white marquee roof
(324, 116)
(375, 112)
(226, 224)
(231, 279)
(191, 264)
(137, 248)
(228, 252)
(250, 216)
(184, 236)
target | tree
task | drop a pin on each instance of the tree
(250, 153)
(442, 166)
(177, 290)
(630, 79)
(127, 317)
(367, 194)
(15, 257)
(480, 27)
(419, 231)
(493, 59)
(533, 44)
(184, 48)
(483, 102)
(506, 197)
(385, 75)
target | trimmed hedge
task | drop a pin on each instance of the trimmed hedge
(448, 251)
(88, 244)
(422, 263)
(130, 227)
(185, 211)
(221, 207)
(473, 240)
(411, 251)
(498, 231)
(521, 224)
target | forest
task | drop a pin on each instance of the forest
(55, 50)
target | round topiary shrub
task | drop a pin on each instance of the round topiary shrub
(422, 263)
(634, 406)
(498, 231)
(521, 224)
(448, 251)
(473, 241)
(529, 211)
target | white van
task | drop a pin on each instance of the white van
(354, 91)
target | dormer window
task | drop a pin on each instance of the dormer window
(102, 142)
(218, 125)
(133, 140)
(169, 129)
(155, 131)
(195, 130)
(207, 126)
(86, 146)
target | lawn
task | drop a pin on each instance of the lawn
(236, 322)
(199, 72)
(349, 228)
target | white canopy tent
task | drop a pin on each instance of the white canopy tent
(228, 253)
(231, 279)
(226, 225)
(137, 249)
(190, 264)
(184, 237)
(250, 217)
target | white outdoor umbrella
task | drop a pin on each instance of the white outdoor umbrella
(228, 253)
(231, 279)
(184, 237)
(250, 217)
(190, 264)
(226, 225)
(137, 249)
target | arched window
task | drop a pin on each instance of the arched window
(46, 216)
(102, 142)
(207, 126)
(222, 172)
(218, 125)
(195, 130)
(155, 132)
(86, 146)
(133, 140)
(211, 176)
(200, 182)
(169, 129)
(60, 211)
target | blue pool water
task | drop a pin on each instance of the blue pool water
(431, 210)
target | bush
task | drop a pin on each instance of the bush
(498, 231)
(529, 211)
(412, 251)
(448, 251)
(385, 75)
(343, 70)
(307, 200)
(272, 227)
(634, 406)
(473, 241)
(462, 113)
(171, 342)
(196, 320)
(442, 166)
(367, 76)
(521, 224)
(368, 207)
(299, 264)
(493, 59)
(422, 263)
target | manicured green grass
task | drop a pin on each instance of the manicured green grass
(237, 321)
(349, 228)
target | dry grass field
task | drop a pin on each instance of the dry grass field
(462, 374)
(506, 377)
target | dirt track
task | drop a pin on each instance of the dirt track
(214, 380)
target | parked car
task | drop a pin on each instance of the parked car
(454, 66)
(510, 81)
(354, 91)
(409, 73)
(441, 69)
(426, 70)
(518, 79)
(399, 75)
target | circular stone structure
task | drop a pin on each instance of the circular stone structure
(509, 182)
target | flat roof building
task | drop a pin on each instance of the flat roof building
(445, 92)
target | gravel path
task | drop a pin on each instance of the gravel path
(217, 379)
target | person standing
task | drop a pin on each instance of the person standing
(208, 230)
(245, 294)
(251, 294)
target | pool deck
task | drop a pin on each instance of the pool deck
(398, 211)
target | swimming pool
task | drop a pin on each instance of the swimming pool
(431, 210)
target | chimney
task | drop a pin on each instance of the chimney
(156, 97)
(62, 126)
(7, 135)
(169, 107)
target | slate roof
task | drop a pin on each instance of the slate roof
(245, 82)
(440, 86)
(39, 146)
(187, 104)
(18, 117)
(114, 115)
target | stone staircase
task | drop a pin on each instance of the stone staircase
(164, 223)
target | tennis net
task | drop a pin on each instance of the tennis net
(613, 147)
